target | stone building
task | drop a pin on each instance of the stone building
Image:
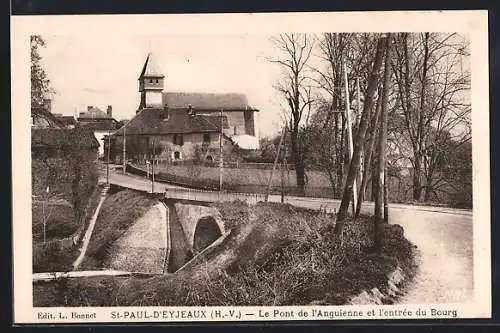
(184, 125)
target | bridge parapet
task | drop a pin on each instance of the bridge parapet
(213, 196)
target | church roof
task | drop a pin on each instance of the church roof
(206, 101)
(150, 68)
(150, 121)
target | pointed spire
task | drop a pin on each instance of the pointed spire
(150, 68)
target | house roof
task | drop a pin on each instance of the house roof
(94, 112)
(206, 101)
(150, 68)
(56, 138)
(150, 121)
(99, 124)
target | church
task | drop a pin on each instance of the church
(184, 125)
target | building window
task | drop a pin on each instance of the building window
(177, 155)
(150, 80)
(156, 80)
(206, 137)
(178, 139)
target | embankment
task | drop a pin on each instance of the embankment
(275, 255)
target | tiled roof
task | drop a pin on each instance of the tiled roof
(94, 112)
(206, 101)
(150, 121)
(150, 68)
(99, 124)
(54, 138)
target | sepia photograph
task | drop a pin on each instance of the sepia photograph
(329, 170)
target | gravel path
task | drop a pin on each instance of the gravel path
(445, 253)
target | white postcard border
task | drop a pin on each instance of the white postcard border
(473, 23)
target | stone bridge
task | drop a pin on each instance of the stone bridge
(166, 237)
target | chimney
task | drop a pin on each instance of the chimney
(109, 111)
(165, 112)
(89, 108)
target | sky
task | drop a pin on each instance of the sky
(103, 71)
(85, 70)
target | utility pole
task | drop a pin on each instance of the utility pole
(221, 161)
(274, 164)
(124, 149)
(358, 115)
(107, 165)
(44, 218)
(349, 134)
(283, 166)
(153, 169)
(382, 143)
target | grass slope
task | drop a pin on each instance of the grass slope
(57, 254)
(276, 255)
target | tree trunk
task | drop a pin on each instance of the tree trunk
(360, 136)
(386, 195)
(340, 159)
(368, 157)
(417, 185)
(297, 159)
(381, 165)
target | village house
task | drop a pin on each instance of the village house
(184, 125)
(99, 122)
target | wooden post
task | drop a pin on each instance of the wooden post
(386, 206)
(283, 166)
(107, 165)
(221, 161)
(274, 164)
(379, 218)
(153, 169)
(358, 115)
(349, 134)
(124, 162)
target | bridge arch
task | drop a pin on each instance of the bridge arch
(200, 224)
(206, 232)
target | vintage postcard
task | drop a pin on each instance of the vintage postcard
(250, 167)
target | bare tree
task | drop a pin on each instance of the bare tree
(359, 142)
(334, 49)
(295, 54)
(433, 96)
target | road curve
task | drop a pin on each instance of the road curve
(443, 237)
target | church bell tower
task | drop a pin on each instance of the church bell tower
(150, 84)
